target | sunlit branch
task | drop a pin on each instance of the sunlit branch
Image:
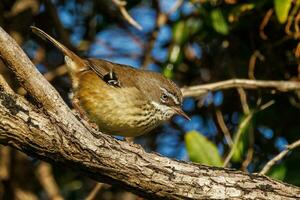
(282, 86)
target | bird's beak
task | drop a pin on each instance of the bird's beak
(179, 111)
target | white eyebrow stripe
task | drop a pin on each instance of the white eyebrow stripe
(176, 101)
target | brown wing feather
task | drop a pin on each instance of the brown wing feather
(100, 67)
(123, 73)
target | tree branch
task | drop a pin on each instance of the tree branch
(46, 178)
(281, 155)
(51, 132)
(121, 5)
(238, 135)
(94, 191)
(116, 162)
(283, 86)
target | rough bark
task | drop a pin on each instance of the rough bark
(116, 162)
(50, 131)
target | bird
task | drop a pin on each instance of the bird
(121, 100)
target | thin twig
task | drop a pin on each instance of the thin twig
(296, 25)
(264, 23)
(252, 62)
(121, 5)
(46, 178)
(283, 86)
(242, 125)
(223, 127)
(243, 98)
(290, 21)
(266, 105)
(94, 191)
(277, 158)
(297, 51)
(250, 150)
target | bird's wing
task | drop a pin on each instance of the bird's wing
(113, 74)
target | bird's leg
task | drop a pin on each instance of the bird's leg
(129, 139)
(82, 113)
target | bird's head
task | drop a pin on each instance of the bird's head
(165, 96)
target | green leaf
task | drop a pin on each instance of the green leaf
(278, 172)
(168, 71)
(219, 22)
(201, 150)
(180, 32)
(282, 8)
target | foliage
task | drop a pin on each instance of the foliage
(202, 150)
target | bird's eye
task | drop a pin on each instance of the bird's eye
(164, 97)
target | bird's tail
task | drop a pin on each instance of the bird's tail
(75, 63)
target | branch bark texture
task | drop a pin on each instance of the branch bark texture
(117, 162)
(50, 131)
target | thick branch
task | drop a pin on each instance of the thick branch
(117, 162)
(54, 134)
(283, 86)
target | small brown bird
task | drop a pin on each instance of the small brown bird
(120, 99)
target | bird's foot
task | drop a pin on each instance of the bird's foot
(129, 139)
(82, 114)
